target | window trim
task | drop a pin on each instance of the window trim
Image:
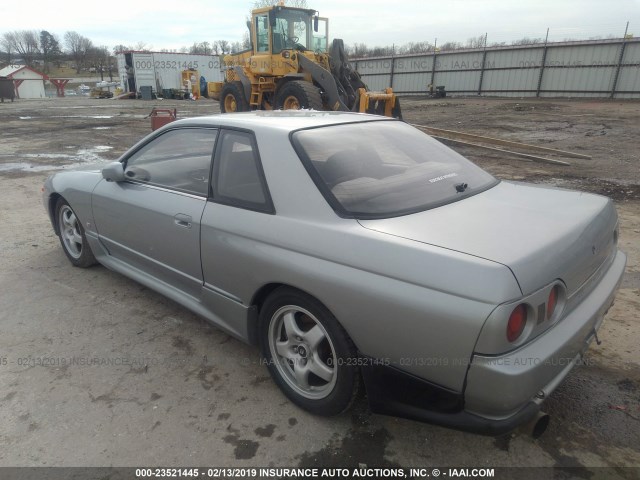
(268, 207)
(170, 188)
(335, 204)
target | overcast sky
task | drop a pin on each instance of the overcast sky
(173, 24)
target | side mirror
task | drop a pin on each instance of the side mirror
(316, 21)
(272, 18)
(114, 172)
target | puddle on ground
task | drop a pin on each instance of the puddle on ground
(68, 116)
(69, 107)
(38, 155)
(81, 116)
(82, 157)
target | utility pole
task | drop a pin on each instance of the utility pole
(433, 67)
(544, 60)
(484, 59)
(617, 74)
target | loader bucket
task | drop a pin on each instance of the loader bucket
(379, 103)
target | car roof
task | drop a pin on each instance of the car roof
(286, 120)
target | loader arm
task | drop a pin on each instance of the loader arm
(324, 78)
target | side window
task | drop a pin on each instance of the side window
(178, 159)
(321, 36)
(237, 172)
(262, 32)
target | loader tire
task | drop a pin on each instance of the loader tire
(298, 94)
(232, 98)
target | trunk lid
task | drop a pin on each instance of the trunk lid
(540, 233)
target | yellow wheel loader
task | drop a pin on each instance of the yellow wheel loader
(288, 67)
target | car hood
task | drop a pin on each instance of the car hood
(540, 233)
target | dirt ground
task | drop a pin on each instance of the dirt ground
(176, 391)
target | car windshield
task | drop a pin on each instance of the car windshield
(384, 169)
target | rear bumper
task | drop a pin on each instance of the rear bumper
(505, 392)
(498, 386)
(400, 394)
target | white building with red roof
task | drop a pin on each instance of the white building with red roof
(29, 83)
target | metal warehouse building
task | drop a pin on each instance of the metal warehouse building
(601, 68)
(162, 70)
(28, 82)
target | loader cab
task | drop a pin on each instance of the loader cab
(278, 29)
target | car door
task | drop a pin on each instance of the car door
(151, 221)
(240, 204)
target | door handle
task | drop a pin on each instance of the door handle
(182, 220)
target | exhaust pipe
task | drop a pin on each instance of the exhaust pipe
(537, 425)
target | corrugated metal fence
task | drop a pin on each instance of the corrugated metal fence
(602, 68)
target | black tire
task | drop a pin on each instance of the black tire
(72, 237)
(323, 342)
(232, 98)
(297, 94)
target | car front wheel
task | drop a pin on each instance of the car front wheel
(308, 353)
(72, 237)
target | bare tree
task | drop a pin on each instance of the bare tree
(78, 47)
(24, 43)
(203, 48)
(447, 46)
(142, 47)
(246, 41)
(527, 41)
(381, 51)
(415, 47)
(121, 48)
(224, 46)
(360, 50)
(7, 46)
(476, 42)
(100, 59)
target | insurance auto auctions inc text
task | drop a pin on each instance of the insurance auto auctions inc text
(375, 472)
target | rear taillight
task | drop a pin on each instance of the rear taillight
(517, 322)
(552, 301)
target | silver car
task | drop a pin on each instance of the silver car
(357, 252)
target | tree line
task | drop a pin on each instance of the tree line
(362, 50)
(217, 47)
(45, 49)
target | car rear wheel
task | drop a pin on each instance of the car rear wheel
(232, 98)
(308, 353)
(72, 237)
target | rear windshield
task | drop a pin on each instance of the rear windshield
(385, 168)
